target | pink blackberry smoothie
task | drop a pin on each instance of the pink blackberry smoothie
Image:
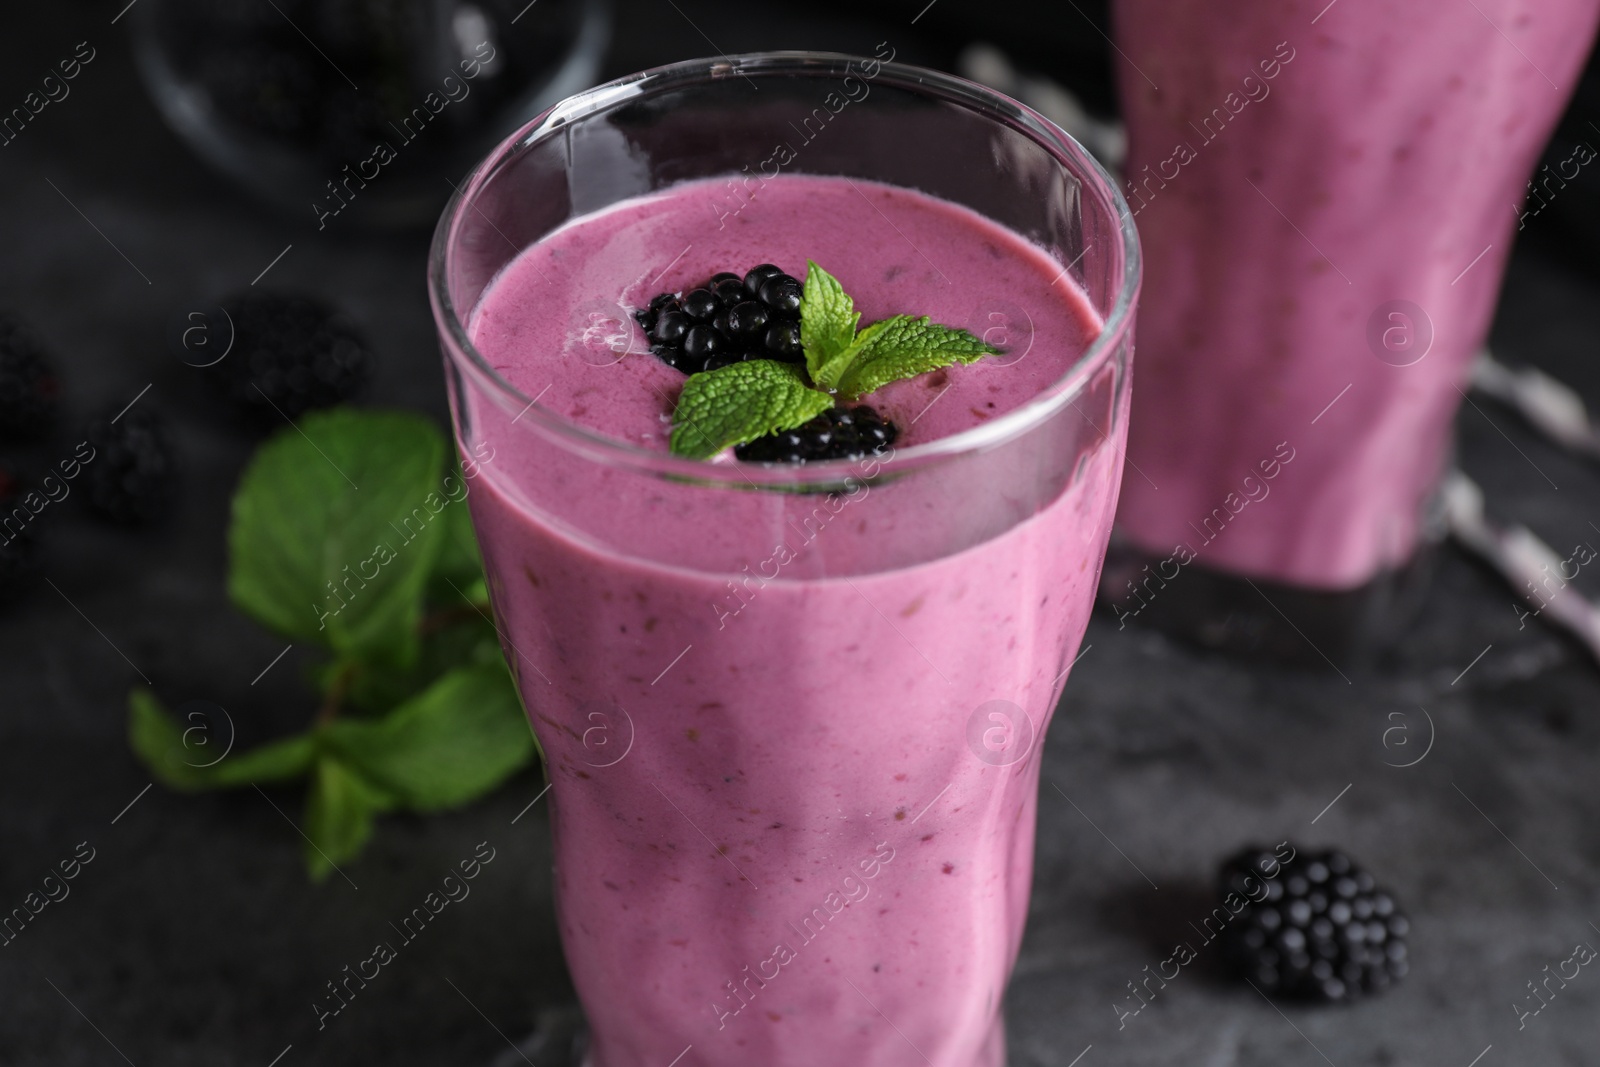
(772, 832)
(1321, 189)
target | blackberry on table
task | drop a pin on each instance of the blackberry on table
(132, 477)
(1317, 928)
(725, 319)
(17, 546)
(291, 353)
(839, 433)
(29, 389)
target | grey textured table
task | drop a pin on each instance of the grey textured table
(193, 937)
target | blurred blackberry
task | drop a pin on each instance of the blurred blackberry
(839, 433)
(291, 353)
(28, 385)
(1320, 930)
(18, 550)
(725, 320)
(132, 477)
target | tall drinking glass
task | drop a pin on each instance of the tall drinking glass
(1328, 194)
(791, 715)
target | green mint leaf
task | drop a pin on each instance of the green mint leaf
(188, 757)
(739, 403)
(449, 745)
(340, 809)
(904, 347)
(335, 528)
(828, 319)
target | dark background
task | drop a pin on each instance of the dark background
(194, 937)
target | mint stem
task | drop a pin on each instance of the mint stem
(333, 699)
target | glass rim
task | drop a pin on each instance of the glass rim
(988, 103)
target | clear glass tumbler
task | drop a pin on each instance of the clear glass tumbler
(1328, 194)
(802, 835)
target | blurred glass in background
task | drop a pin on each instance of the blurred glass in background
(360, 112)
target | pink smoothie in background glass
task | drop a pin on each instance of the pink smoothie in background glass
(782, 810)
(1321, 189)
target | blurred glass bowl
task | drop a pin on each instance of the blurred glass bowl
(360, 112)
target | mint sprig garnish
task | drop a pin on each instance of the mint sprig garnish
(903, 347)
(352, 536)
(828, 320)
(736, 404)
(740, 402)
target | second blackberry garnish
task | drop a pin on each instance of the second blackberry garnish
(842, 433)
